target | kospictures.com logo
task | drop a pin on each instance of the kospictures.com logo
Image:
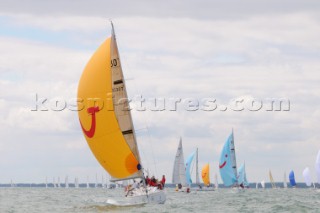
(139, 103)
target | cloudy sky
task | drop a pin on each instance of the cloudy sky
(261, 50)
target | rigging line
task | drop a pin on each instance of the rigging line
(154, 161)
(125, 64)
(132, 79)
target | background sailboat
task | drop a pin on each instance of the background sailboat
(59, 184)
(108, 128)
(285, 185)
(216, 183)
(307, 177)
(188, 167)
(179, 171)
(242, 176)
(273, 185)
(292, 179)
(205, 174)
(227, 163)
(66, 182)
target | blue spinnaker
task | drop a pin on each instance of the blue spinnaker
(188, 165)
(291, 178)
(242, 176)
(225, 164)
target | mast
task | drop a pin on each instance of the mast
(233, 157)
(197, 170)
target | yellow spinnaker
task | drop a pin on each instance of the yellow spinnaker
(205, 174)
(98, 120)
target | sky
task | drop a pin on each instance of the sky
(192, 50)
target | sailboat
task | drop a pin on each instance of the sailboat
(242, 176)
(205, 174)
(76, 183)
(216, 184)
(188, 168)
(87, 185)
(179, 171)
(227, 163)
(307, 177)
(285, 185)
(292, 179)
(96, 183)
(273, 185)
(59, 184)
(66, 184)
(107, 124)
(263, 184)
(318, 167)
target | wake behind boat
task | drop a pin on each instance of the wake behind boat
(107, 124)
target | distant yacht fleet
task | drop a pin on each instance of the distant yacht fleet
(181, 177)
(231, 175)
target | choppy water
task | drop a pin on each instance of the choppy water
(224, 200)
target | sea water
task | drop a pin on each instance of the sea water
(222, 200)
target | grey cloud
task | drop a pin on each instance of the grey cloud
(204, 9)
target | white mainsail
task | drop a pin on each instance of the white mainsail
(307, 176)
(87, 181)
(58, 185)
(66, 182)
(263, 185)
(216, 184)
(179, 172)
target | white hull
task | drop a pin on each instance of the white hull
(140, 198)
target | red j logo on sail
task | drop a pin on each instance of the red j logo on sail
(90, 133)
(224, 163)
